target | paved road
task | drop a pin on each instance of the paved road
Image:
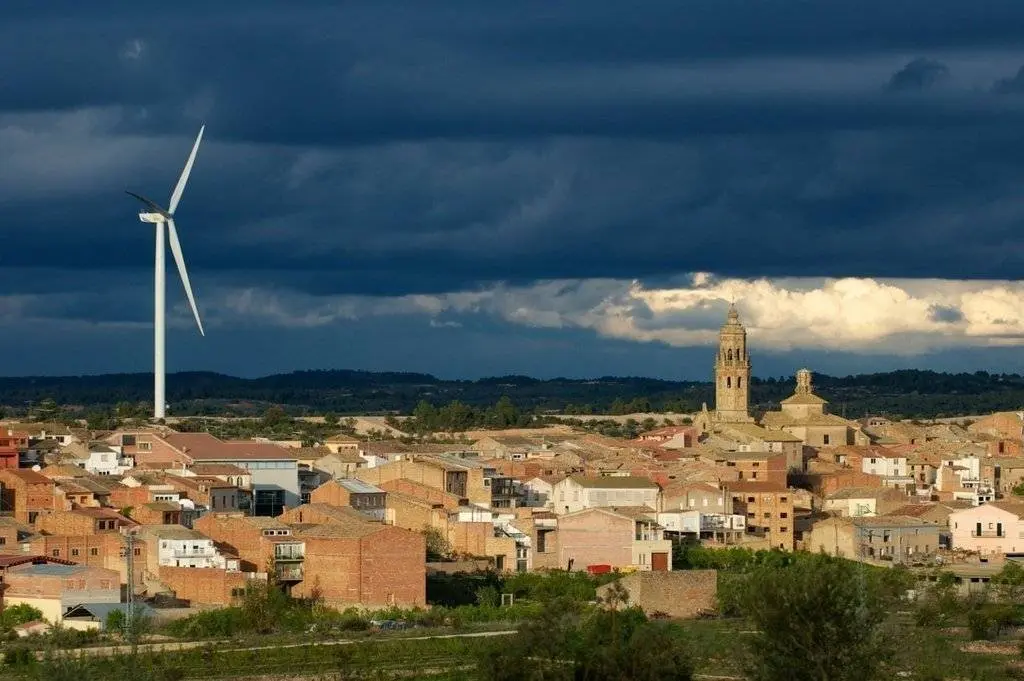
(222, 646)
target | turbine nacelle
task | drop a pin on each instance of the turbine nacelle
(154, 218)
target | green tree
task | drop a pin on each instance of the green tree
(611, 643)
(47, 410)
(438, 548)
(274, 418)
(817, 619)
(13, 615)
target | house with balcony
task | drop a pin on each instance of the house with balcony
(505, 490)
(613, 538)
(725, 528)
(991, 529)
(174, 546)
(350, 560)
(262, 544)
(104, 459)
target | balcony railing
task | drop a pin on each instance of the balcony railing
(289, 574)
(989, 534)
(286, 553)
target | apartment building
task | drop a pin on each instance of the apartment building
(768, 508)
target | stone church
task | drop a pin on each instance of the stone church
(804, 415)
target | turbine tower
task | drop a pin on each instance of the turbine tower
(159, 217)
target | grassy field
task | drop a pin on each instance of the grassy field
(922, 654)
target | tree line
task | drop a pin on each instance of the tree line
(897, 394)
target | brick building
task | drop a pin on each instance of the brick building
(53, 589)
(352, 493)
(204, 586)
(768, 508)
(26, 493)
(622, 537)
(83, 521)
(101, 550)
(446, 473)
(261, 544)
(359, 562)
(157, 513)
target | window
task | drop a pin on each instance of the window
(782, 500)
(783, 515)
(783, 529)
(728, 381)
(824, 439)
(751, 500)
(94, 552)
(74, 553)
(3, 540)
(56, 552)
(739, 381)
(137, 552)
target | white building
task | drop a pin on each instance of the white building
(885, 466)
(576, 493)
(537, 493)
(182, 547)
(106, 460)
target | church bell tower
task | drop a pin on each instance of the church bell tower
(732, 372)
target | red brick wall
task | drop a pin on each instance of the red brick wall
(66, 523)
(149, 516)
(203, 586)
(330, 493)
(8, 539)
(122, 497)
(827, 483)
(26, 497)
(238, 536)
(99, 550)
(394, 568)
(385, 568)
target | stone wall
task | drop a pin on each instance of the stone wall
(682, 594)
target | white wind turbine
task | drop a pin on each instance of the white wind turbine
(159, 217)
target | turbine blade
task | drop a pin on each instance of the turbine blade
(180, 188)
(179, 260)
(155, 207)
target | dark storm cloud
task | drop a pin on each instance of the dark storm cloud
(1013, 85)
(394, 147)
(940, 313)
(919, 74)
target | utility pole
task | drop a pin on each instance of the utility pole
(129, 552)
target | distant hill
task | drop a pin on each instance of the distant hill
(908, 393)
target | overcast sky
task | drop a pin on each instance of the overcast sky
(474, 188)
